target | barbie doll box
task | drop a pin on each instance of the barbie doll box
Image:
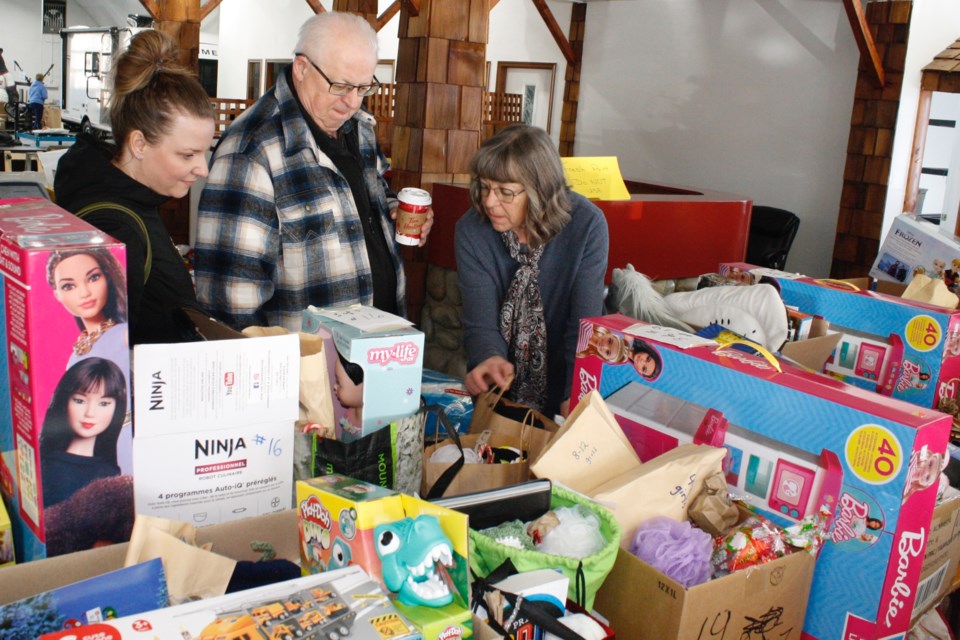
(64, 339)
(416, 549)
(214, 427)
(869, 568)
(387, 350)
(897, 347)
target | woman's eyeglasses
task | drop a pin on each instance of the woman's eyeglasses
(505, 196)
(342, 88)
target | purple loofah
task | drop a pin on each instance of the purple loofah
(678, 549)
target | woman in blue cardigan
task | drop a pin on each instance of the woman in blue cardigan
(531, 259)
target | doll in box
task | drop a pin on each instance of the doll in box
(78, 443)
(91, 286)
(349, 391)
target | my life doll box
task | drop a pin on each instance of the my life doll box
(868, 571)
(64, 338)
(384, 384)
(417, 550)
(897, 347)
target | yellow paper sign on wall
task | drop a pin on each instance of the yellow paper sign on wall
(596, 178)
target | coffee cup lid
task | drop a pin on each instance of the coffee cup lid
(416, 196)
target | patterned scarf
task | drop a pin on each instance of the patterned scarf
(523, 327)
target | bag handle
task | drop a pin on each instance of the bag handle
(443, 482)
(541, 614)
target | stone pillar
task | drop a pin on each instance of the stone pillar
(365, 8)
(180, 19)
(571, 86)
(441, 59)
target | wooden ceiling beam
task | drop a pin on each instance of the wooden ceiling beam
(152, 8)
(387, 14)
(207, 7)
(861, 33)
(556, 31)
(316, 6)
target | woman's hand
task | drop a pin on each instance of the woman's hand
(495, 370)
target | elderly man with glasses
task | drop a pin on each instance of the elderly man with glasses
(296, 210)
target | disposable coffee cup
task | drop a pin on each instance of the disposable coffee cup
(411, 215)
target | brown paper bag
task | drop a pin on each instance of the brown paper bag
(472, 476)
(589, 449)
(493, 412)
(663, 486)
(192, 572)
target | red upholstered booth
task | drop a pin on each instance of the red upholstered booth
(663, 231)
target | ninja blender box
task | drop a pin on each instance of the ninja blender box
(417, 550)
(214, 426)
(388, 351)
(890, 452)
(897, 347)
(64, 420)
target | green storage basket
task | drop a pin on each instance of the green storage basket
(586, 575)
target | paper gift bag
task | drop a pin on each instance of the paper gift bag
(663, 486)
(457, 477)
(589, 449)
(493, 412)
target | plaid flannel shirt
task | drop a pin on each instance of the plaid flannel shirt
(277, 226)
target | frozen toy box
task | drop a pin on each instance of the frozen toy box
(868, 572)
(64, 339)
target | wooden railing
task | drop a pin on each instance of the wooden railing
(226, 111)
(499, 110)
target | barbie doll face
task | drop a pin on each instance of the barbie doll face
(81, 286)
(348, 393)
(644, 363)
(609, 346)
(928, 469)
(939, 265)
(89, 413)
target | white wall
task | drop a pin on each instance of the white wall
(934, 25)
(752, 98)
(19, 36)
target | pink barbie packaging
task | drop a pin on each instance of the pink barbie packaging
(897, 347)
(67, 447)
(784, 427)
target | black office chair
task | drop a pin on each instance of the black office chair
(772, 232)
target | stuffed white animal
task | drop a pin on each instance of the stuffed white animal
(755, 312)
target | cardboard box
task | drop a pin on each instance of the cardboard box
(941, 562)
(767, 601)
(390, 352)
(913, 246)
(215, 427)
(47, 354)
(232, 539)
(865, 581)
(341, 522)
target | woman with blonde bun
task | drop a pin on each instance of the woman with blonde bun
(163, 125)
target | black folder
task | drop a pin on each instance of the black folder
(525, 501)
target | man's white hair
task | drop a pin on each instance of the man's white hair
(321, 31)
